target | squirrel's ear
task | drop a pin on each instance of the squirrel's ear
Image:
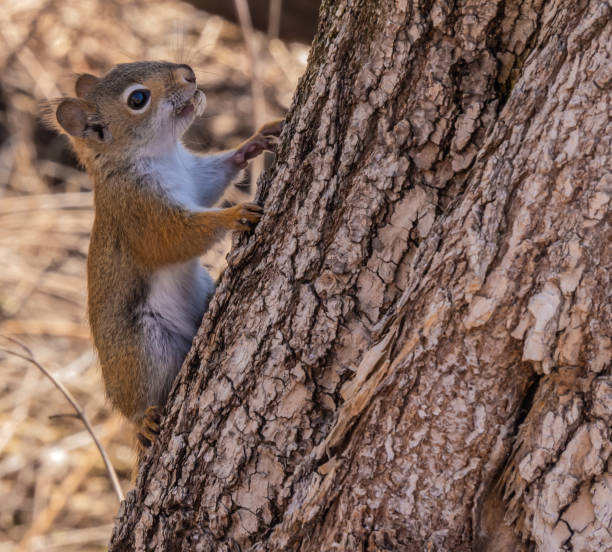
(78, 118)
(84, 84)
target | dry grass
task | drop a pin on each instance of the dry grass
(55, 492)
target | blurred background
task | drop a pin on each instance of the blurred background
(248, 57)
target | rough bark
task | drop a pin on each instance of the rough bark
(412, 352)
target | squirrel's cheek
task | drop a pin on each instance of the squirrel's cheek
(164, 109)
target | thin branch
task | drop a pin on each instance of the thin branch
(19, 344)
(257, 91)
(61, 494)
(274, 15)
(246, 26)
(66, 415)
(29, 357)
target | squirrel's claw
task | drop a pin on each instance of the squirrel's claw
(150, 426)
(143, 440)
(247, 216)
(273, 128)
(153, 415)
(266, 139)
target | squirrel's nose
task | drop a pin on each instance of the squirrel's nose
(185, 73)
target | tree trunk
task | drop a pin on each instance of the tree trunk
(412, 352)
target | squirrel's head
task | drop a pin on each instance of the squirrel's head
(144, 106)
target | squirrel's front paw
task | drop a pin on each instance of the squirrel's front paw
(272, 129)
(269, 133)
(266, 139)
(247, 215)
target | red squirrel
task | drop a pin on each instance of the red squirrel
(153, 199)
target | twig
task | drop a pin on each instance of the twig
(26, 287)
(21, 397)
(244, 16)
(259, 104)
(75, 200)
(66, 415)
(274, 15)
(29, 357)
(59, 540)
(19, 344)
(42, 327)
(62, 494)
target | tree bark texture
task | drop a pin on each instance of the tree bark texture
(413, 351)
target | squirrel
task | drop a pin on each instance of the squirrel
(153, 197)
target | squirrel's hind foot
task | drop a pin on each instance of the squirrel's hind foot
(149, 427)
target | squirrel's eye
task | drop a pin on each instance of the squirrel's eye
(138, 99)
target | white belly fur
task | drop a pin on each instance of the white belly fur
(179, 295)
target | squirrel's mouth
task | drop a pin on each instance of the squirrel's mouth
(187, 109)
(196, 104)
